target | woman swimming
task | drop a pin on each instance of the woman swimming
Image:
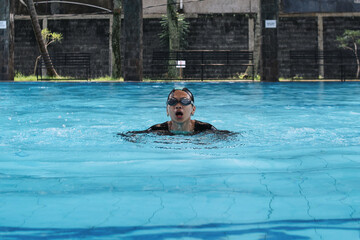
(180, 107)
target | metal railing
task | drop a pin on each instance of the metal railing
(334, 64)
(204, 64)
(68, 66)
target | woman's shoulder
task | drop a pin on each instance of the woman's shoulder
(203, 126)
(159, 127)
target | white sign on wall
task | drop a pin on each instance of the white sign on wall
(356, 1)
(2, 24)
(270, 23)
(181, 64)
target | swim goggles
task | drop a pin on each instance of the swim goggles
(183, 101)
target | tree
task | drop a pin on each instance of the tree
(115, 39)
(350, 41)
(49, 38)
(174, 30)
(133, 40)
(42, 46)
(257, 43)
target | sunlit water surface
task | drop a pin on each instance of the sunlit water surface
(290, 171)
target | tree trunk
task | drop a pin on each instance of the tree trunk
(42, 47)
(174, 43)
(115, 39)
(36, 63)
(133, 40)
(269, 41)
(257, 44)
(357, 59)
(7, 40)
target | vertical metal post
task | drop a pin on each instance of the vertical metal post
(6, 40)
(202, 72)
(269, 43)
(202, 65)
(133, 36)
(321, 45)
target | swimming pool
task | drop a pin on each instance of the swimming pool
(291, 172)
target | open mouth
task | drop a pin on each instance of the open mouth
(179, 114)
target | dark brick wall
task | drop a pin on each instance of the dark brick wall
(219, 32)
(81, 35)
(6, 63)
(85, 36)
(334, 27)
(151, 41)
(206, 32)
(296, 33)
(26, 49)
(215, 32)
(64, 8)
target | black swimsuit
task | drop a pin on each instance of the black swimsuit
(199, 127)
(163, 128)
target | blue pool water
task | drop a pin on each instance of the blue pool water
(290, 172)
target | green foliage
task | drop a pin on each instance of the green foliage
(173, 34)
(19, 77)
(245, 76)
(107, 79)
(348, 39)
(116, 39)
(51, 37)
(178, 32)
(297, 77)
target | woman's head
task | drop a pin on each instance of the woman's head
(180, 105)
(184, 90)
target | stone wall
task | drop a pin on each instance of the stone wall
(152, 29)
(80, 35)
(150, 7)
(206, 32)
(6, 41)
(219, 32)
(26, 49)
(47, 8)
(333, 27)
(85, 36)
(296, 33)
(301, 34)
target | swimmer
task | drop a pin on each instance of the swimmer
(180, 107)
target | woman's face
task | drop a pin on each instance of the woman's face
(180, 113)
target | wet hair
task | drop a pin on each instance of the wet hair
(184, 90)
